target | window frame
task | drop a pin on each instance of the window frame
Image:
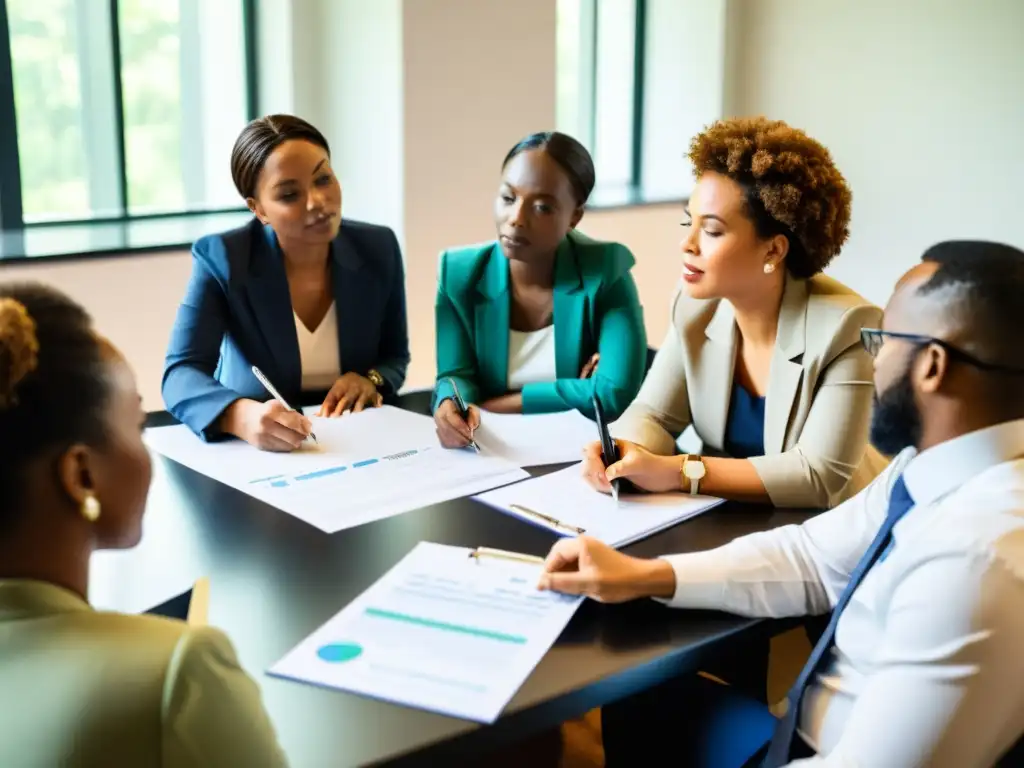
(636, 190)
(12, 220)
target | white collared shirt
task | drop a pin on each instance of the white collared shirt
(319, 353)
(928, 662)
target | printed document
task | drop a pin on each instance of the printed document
(365, 467)
(563, 502)
(440, 631)
(533, 440)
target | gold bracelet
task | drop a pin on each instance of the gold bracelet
(684, 483)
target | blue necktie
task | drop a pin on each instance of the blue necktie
(900, 502)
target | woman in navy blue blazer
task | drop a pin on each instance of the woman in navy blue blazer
(315, 302)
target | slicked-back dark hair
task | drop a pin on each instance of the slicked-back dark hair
(571, 156)
(259, 139)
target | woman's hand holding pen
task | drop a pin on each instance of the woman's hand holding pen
(350, 392)
(452, 430)
(269, 426)
(638, 465)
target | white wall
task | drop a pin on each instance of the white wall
(920, 101)
(362, 92)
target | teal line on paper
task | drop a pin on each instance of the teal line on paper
(265, 479)
(366, 463)
(445, 626)
(279, 484)
(337, 653)
(321, 473)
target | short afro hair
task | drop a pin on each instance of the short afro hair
(791, 185)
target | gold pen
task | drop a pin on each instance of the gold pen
(501, 554)
(544, 518)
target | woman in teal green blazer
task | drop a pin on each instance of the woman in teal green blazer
(543, 318)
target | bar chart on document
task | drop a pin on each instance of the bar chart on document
(440, 631)
(366, 467)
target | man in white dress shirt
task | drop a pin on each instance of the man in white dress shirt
(923, 661)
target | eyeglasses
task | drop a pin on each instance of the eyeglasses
(874, 338)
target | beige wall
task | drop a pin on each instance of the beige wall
(133, 300)
(479, 75)
(919, 101)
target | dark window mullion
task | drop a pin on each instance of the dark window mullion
(11, 208)
(250, 29)
(639, 53)
(115, 52)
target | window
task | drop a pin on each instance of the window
(121, 109)
(635, 80)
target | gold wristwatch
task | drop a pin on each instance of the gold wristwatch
(693, 470)
(375, 378)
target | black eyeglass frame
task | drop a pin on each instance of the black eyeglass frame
(874, 338)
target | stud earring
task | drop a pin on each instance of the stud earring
(91, 508)
(769, 268)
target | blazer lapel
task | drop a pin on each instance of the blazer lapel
(713, 371)
(787, 365)
(491, 324)
(271, 306)
(350, 302)
(569, 307)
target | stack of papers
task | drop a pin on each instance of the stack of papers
(440, 631)
(366, 466)
(564, 503)
(537, 439)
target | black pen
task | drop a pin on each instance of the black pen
(460, 404)
(609, 449)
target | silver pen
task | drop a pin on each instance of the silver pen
(546, 519)
(275, 394)
(502, 554)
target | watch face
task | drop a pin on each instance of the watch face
(694, 470)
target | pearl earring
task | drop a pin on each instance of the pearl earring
(91, 508)
(769, 268)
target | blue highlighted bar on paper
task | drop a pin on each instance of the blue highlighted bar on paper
(320, 473)
(366, 463)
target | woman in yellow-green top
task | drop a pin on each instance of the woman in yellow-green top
(80, 687)
(543, 318)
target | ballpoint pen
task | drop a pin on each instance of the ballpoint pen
(275, 394)
(609, 450)
(546, 519)
(463, 409)
(501, 554)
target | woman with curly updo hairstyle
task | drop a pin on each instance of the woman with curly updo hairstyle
(763, 357)
(74, 476)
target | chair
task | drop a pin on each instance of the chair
(651, 352)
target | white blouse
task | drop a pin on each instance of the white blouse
(318, 351)
(531, 357)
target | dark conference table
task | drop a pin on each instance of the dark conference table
(274, 579)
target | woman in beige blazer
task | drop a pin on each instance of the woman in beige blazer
(80, 687)
(763, 357)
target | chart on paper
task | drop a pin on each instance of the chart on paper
(440, 631)
(366, 467)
